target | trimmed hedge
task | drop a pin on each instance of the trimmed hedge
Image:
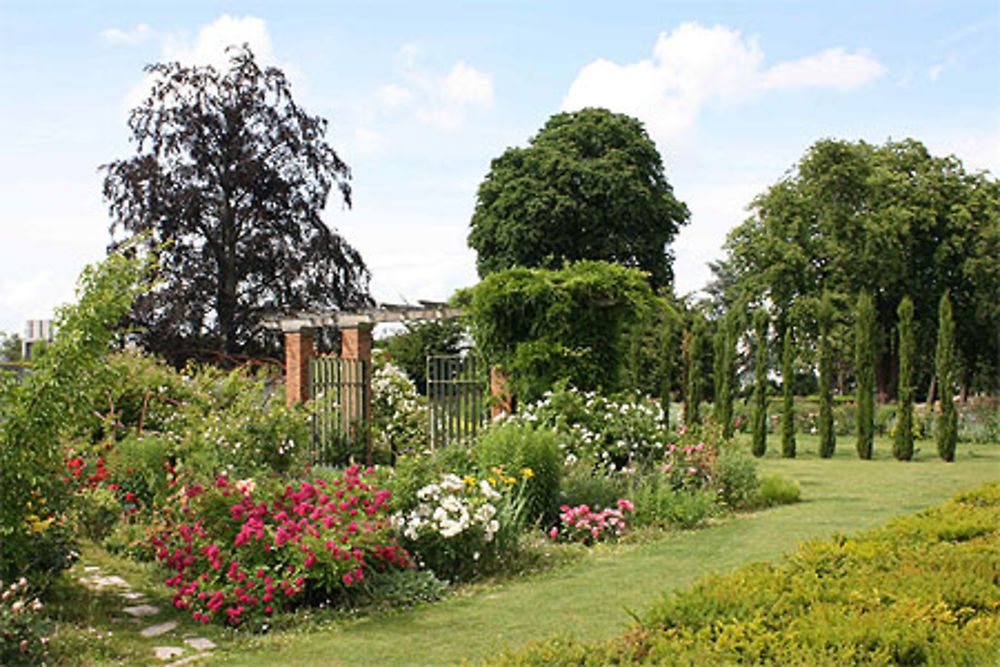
(925, 589)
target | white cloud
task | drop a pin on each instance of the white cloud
(833, 68)
(393, 95)
(695, 66)
(934, 71)
(467, 85)
(133, 37)
(210, 46)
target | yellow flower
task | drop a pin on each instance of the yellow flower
(469, 480)
(527, 473)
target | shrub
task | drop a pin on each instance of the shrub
(517, 446)
(658, 503)
(613, 433)
(735, 477)
(463, 527)
(399, 420)
(586, 525)
(23, 629)
(921, 590)
(96, 511)
(246, 549)
(583, 485)
(777, 490)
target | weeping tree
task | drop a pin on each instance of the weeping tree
(902, 446)
(947, 431)
(758, 415)
(864, 368)
(229, 182)
(788, 397)
(827, 434)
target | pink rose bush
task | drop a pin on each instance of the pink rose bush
(243, 550)
(582, 524)
(688, 466)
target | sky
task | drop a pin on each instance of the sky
(420, 96)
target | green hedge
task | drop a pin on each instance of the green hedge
(925, 589)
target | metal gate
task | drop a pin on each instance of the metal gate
(456, 399)
(341, 392)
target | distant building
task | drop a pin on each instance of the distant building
(36, 331)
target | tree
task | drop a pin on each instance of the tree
(693, 386)
(864, 368)
(903, 441)
(10, 347)
(947, 430)
(590, 185)
(725, 364)
(409, 349)
(229, 181)
(889, 220)
(668, 349)
(827, 433)
(758, 414)
(545, 327)
(788, 397)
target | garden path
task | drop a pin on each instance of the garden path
(142, 613)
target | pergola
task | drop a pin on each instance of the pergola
(356, 335)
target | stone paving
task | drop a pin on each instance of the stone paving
(144, 614)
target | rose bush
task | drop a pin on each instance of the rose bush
(243, 550)
(586, 525)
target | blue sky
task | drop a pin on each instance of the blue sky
(422, 95)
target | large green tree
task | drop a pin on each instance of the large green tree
(889, 220)
(590, 185)
(229, 180)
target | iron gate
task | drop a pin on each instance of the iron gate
(456, 398)
(341, 392)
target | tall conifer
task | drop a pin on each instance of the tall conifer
(947, 431)
(758, 415)
(788, 397)
(902, 446)
(864, 369)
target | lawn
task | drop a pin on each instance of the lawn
(592, 598)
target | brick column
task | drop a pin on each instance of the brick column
(503, 400)
(356, 342)
(298, 352)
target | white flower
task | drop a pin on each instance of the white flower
(487, 490)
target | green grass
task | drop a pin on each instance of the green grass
(592, 598)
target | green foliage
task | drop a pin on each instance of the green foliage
(582, 484)
(399, 418)
(514, 447)
(947, 430)
(735, 476)
(788, 397)
(919, 591)
(96, 512)
(52, 399)
(724, 377)
(409, 349)
(693, 385)
(827, 433)
(10, 347)
(23, 628)
(890, 220)
(589, 187)
(902, 446)
(546, 326)
(777, 490)
(658, 503)
(758, 415)
(864, 369)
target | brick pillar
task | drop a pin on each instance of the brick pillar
(356, 342)
(298, 352)
(503, 400)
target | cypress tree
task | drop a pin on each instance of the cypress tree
(788, 397)
(725, 417)
(666, 369)
(758, 415)
(692, 400)
(947, 431)
(902, 446)
(827, 434)
(718, 369)
(864, 369)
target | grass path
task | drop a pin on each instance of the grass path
(590, 599)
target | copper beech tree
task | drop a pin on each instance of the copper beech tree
(229, 180)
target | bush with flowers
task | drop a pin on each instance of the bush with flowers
(23, 628)
(244, 550)
(461, 527)
(399, 417)
(613, 433)
(586, 525)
